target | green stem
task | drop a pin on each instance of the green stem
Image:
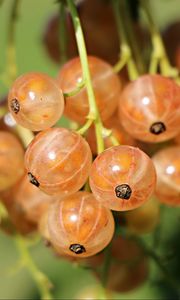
(93, 110)
(41, 280)
(85, 127)
(108, 133)
(75, 91)
(125, 50)
(25, 135)
(62, 32)
(114, 140)
(159, 55)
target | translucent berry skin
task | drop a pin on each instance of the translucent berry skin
(58, 161)
(80, 220)
(17, 219)
(106, 85)
(35, 101)
(11, 160)
(122, 178)
(149, 108)
(31, 200)
(167, 164)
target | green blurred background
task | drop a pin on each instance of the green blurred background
(69, 279)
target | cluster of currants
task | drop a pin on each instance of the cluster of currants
(59, 161)
(69, 191)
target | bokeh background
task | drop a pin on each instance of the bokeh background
(69, 279)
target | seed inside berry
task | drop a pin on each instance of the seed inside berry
(157, 128)
(123, 191)
(77, 248)
(15, 106)
(33, 180)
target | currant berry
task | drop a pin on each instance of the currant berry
(149, 108)
(51, 38)
(35, 101)
(30, 200)
(58, 161)
(145, 218)
(167, 164)
(79, 225)
(172, 41)
(17, 220)
(11, 160)
(106, 86)
(122, 178)
(131, 266)
(98, 22)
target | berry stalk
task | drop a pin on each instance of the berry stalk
(11, 69)
(93, 112)
(40, 278)
(125, 49)
(159, 55)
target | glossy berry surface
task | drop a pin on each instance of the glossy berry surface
(149, 108)
(35, 101)
(79, 225)
(167, 164)
(58, 161)
(106, 85)
(122, 178)
(30, 200)
(11, 160)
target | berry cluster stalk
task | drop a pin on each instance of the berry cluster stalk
(125, 49)
(93, 115)
(40, 278)
(11, 66)
(159, 56)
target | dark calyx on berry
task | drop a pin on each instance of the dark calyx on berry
(123, 191)
(33, 180)
(157, 128)
(77, 248)
(15, 106)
